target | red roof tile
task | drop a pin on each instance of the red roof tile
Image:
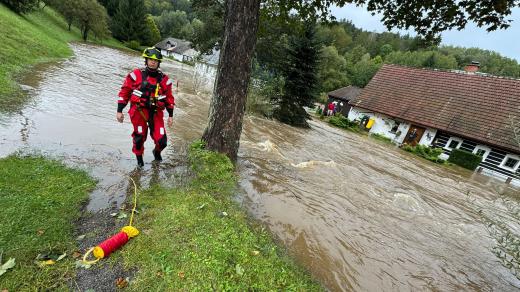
(474, 106)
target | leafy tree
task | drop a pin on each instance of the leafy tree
(182, 5)
(363, 71)
(332, 73)
(174, 24)
(68, 9)
(385, 50)
(300, 88)
(92, 16)
(21, 6)
(419, 59)
(428, 18)
(355, 54)
(157, 7)
(210, 34)
(129, 22)
(153, 35)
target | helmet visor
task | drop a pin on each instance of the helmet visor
(152, 53)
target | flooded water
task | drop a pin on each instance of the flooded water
(358, 214)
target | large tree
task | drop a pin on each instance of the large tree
(129, 21)
(300, 73)
(92, 16)
(428, 18)
(21, 6)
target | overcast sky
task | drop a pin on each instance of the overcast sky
(505, 42)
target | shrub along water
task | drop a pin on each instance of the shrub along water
(198, 238)
(431, 154)
(40, 200)
(341, 121)
(465, 159)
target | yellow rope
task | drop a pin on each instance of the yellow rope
(129, 230)
(86, 255)
(135, 202)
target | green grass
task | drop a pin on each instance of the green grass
(188, 244)
(38, 37)
(381, 138)
(40, 199)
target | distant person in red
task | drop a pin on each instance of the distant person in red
(150, 92)
(330, 110)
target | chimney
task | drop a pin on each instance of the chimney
(472, 68)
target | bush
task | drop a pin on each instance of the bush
(134, 45)
(341, 121)
(465, 159)
(431, 154)
(21, 6)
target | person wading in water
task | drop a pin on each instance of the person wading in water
(150, 92)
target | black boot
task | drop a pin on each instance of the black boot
(157, 155)
(140, 161)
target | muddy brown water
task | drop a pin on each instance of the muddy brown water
(360, 215)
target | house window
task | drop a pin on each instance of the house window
(395, 127)
(482, 151)
(453, 143)
(511, 162)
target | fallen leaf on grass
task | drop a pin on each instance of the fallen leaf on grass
(113, 214)
(41, 232)
(181, 275)
(81, 264)
(201, 206)
(255, 252)
(5, 290)
(122, 215)
(239, 269)
(76, 254)
(7, 265)
(52, 255)
(81, 237)
(42, 264)
(121, 283)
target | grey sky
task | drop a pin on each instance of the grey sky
(504, 42)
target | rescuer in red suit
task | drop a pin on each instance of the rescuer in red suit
(150, 92)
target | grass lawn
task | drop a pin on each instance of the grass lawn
(40, 36)
(40, 200)
(198, 239)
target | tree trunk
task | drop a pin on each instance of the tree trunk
(228, 103)
(85, 33)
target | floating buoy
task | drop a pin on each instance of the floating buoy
(115, 242)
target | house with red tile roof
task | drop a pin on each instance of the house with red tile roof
(464, 110)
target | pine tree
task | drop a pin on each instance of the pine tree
(129, 22)
(301, 79)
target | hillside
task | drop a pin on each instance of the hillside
(40, 36)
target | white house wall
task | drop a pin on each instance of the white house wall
(383, 125)
(428, 136)
(177, 57)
